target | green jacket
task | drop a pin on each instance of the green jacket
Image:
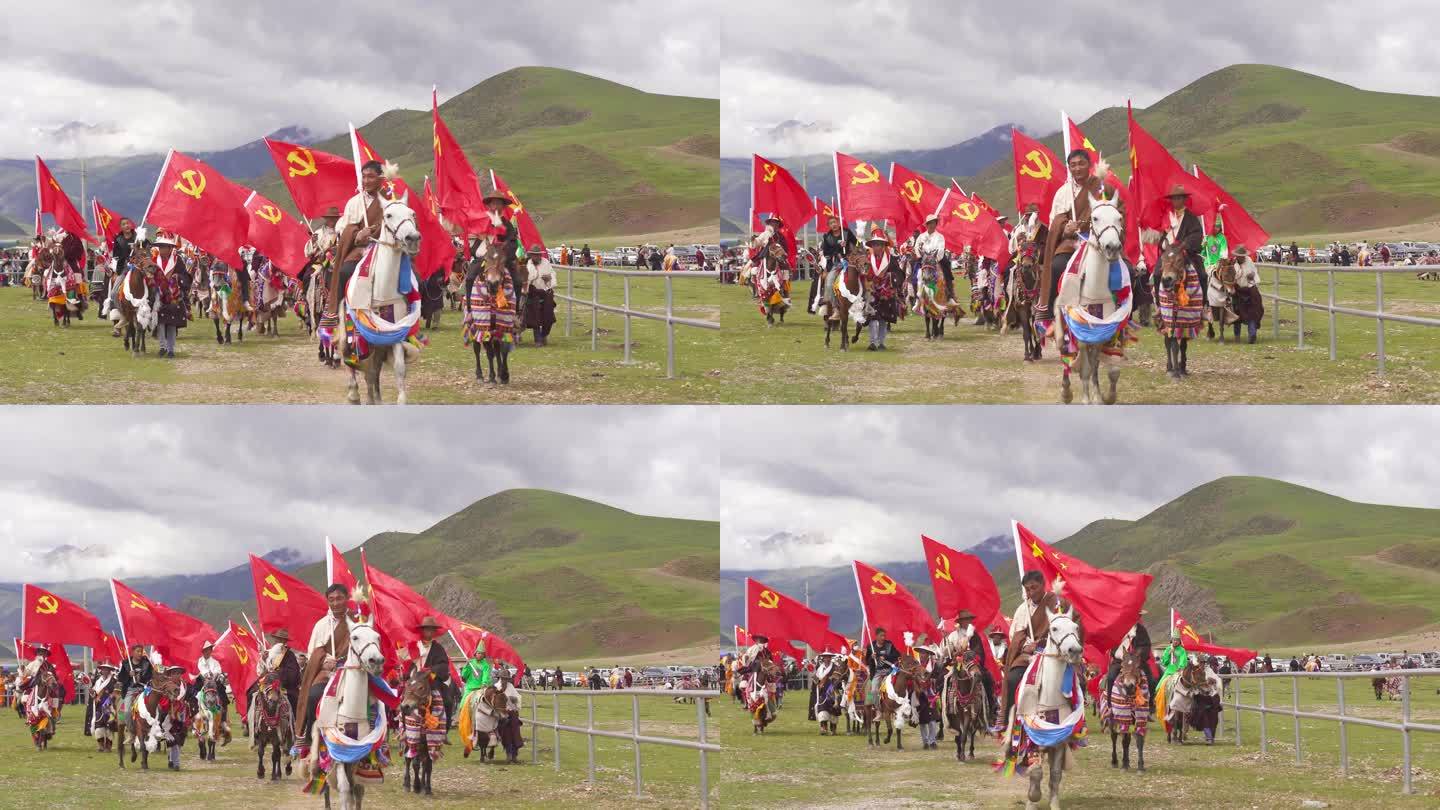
(1173, 659)
(477, 674)
(1214, 248)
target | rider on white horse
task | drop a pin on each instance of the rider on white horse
(1028, 630)
(208, 669)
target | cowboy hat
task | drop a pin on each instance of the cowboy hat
(535, 249)
(281, 635)
(964, 614)
(996, 631)
(775, 218)
(932, 218)
(1178, 190)
(163, 237)
(107, 666)
(878, 235)
(759, 639)
(1240, 250)
(209, 645)
(174, 668)
(429, 623)
(928, 648)
(41, 649)
(332, 211)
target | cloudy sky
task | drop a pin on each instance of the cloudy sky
(211, 74)
(864, 483)
(193, 490)
(887, 74)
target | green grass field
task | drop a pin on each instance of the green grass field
(43, 364)
(792, 766)
(789, 364)
(72, 775)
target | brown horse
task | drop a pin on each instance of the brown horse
(148, 717)
(1125, 710)
(897, 711)
(489, 711)
(39, 713)
(226, 303)
(1025, 281)
(758, 701)
(845, 294)
(1180, 303)
(772, 285)
(137, 315)
(490, 315)
(422, 716)
(965, 704)
(273, 727)
(1222, 284)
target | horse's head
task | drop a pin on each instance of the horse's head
(1129, 669)
(1064, 636)
(1172, 266)
(416, 693)
(365, 648)
(1107, 226)
(400, 225)
(1225, 270)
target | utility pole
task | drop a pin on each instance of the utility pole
(804, 232)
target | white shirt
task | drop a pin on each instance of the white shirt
(323, 635)
(930, 243)
(542, 275)
(1022, 617)
(354, 212)
(208, 667)
(274, 656)
(957, 642)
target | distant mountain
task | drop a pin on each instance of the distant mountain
(589, 157)
(1254, 561)
(1305, 154)
(562, 577)
(957, 160)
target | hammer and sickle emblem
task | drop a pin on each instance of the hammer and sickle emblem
(368, 154)
(191, 182)
(942, 567)
(967, 211)
(1190, 633)
(54, 184)
(269, 213)
(912, 190)
(1134, 159)
(46, 604)
(240, 653)
(517, 206)
(768, 173)
(469, 626)
(136, 603)
(882, 584)
(865, 174)
(768, 599)
(240, 631)
(278, 594)
(105, 219)
(302, 162)
(1043, 168)
(435, 137)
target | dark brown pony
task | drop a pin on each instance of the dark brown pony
(1021, 313)
(417, 703)
(42, 721)
(135, 320)
(1126, 690)
(492, 273)
(965, 704)
(906, 680)
(494, 699)
(274, 728)
(1172, 275)
(838, 315)
(1225, 275)
(766, 674)
(775, 263)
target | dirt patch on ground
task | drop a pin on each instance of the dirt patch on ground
(626, 630)
(1351, 211)
(1425, 143)
(704, 145)
(1261, 526)
(1425, 557)
(1345, 617)
(702, 567)
(1171, 588)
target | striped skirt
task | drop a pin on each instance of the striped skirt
(1177, 319)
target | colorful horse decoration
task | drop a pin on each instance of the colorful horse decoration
(965, 707)
(349, 742)
(423, 718)
(382, 306)
(772, 283)
(156, 719)
(42, 707)
(208, 724)
(1049, 710)
(1125, 711)
(271, 727)
(1179, 307)
(894, 701)
(490, 316)
(1093, 305)
(492, 715)
(227, 306)
(1190, 696)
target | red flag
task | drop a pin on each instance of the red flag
(1191, 640)
(920, 196)
(961, 581)
(398, 607)
(1038, 172)
(284, 600)
(436, 249)
(1109, 602)
(109, 651)
(316, 180)
(337, 571)
(457, 189)
(773, 190)
(1240, 227)
(54, 201)
(985, 206)
(888, 604)
(237, 657)
(498, 649)
(1160, 172)
(823, 212)
(23, 651)
(864, 193)
(963, 222)
(529, 234)
(742, 638)
(834, 642)
(107, 221)
(51, 619)
(64, 670)
(781, 618)
(276, 234)
(199, 203)
(1075, 139)
(177, 636)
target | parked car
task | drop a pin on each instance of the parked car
(1364, 661)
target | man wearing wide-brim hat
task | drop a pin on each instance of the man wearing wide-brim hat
(1246, 301)
(432, 657)
(1183, 227)
(539, 311)
(881, 277)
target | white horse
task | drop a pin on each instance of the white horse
(1062, 649)
(350, 704)
(399, 236)
(1090, 287)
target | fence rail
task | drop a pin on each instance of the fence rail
(1405, 726)
(1379, 314)
(593, 302)
(700, 744)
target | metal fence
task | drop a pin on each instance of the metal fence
(1406, 725)
(700, 744)
(1379, 314)
(593, 302)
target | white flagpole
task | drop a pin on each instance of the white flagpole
(163, 168)
(329, 562)
(864, 616)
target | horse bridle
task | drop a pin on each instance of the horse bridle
(385, 224)
(1107, 204)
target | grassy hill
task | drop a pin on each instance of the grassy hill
(1305, 154)
(559, 576)
(589, 157)
(1255, 561)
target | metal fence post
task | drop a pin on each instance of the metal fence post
(1300, 310)
(1238, 681)
(556, 728)
(635, 734)
(1379, 322)
(1331, 274)
(594, 310)
(534, 732)
(627, 320)
(590, 738)
(1277, 300)
(1264, 737)
(569, 296)
(1405, 785)
(1295, 713)
(669, 328)
(700, 706)
(1344, 747)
